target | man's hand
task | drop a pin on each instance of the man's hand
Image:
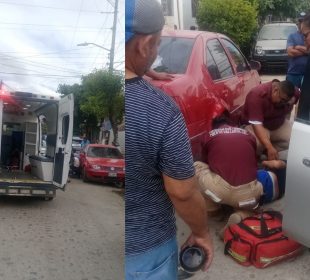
(159, 75)
(302, 49)
(272, 153)
(295, 51)
(163, 76)
(205, 242)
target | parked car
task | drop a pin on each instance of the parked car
(76, 143)
(102, 163)
(270, 45)
(297, 190)
(211, 75)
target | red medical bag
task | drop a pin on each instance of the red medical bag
(259, 240)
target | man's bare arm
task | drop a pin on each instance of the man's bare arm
(296, 51)
(262, 135)
(190, 205)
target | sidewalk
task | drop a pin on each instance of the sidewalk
(223, 267)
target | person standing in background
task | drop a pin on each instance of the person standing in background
(298, 55)
(305, 88)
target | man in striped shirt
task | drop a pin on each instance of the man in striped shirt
(159, 164)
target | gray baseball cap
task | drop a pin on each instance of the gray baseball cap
(143, 17)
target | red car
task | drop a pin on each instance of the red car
(102, 163)
(210, 75)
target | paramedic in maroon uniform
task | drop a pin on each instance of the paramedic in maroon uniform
(227, 174)
(265, 110)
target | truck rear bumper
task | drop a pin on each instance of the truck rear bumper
(27, 189)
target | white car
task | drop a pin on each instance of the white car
(76, 143)
(297, 195)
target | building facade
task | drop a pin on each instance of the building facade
(180, 14)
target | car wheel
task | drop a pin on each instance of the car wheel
(120, 185)
(84, 176)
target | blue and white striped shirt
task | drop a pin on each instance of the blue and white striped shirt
(156, 142)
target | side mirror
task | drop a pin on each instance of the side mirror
(255, 65)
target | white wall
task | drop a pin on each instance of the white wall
(182, 15)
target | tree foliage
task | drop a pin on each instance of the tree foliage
(103, 97)
(236, 19)
(99, 95)
(281, 9)
(82, 120)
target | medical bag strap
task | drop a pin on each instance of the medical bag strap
(265, 232)
(274, 214)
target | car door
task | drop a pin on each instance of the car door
(247, 78)
(63, 141)
(297, 194)
(225, 82)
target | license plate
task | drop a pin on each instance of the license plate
(112, 174)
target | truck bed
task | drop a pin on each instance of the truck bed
(20, 183)
(7, 175)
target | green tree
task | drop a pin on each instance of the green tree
(281, 9)
(103, 96)
(84, 122)
(236, 19)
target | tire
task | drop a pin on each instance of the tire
(120, 185)
(84, 176)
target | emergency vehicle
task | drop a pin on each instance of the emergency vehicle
(26, 121)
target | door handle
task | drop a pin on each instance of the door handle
(306, 162)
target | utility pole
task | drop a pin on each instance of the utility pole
(113, 37)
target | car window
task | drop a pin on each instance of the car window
(212, 67)
(303, 113)
(241, 64)
(217, 52)
(104, 152)
(276, 32)
(173, 55)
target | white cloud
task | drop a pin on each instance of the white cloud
(38, 46)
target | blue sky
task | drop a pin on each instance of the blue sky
(38, 46)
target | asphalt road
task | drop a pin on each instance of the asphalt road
(77, 236)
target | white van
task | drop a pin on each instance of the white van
(26, 119)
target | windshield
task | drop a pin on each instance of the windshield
(173, 55)
(104, 152)
(276, 32)
(76, 142)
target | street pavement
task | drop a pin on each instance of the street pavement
(77, 236)
(266, 78)
(224, 267)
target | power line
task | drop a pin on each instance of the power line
(76, 23)
(49, 25)
(40, 75)
(49, 7)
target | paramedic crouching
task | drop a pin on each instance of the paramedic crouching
(266, 108)
(229, 172)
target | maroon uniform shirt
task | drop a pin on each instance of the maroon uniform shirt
(231, 153)
(259, 108)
